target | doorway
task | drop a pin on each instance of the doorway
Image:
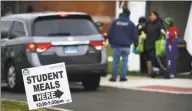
(179, 11)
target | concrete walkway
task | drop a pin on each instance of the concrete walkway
(176, 86)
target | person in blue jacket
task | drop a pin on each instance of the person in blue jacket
(121, 34)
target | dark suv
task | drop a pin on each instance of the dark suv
(35, 39)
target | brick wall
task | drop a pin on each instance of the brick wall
(105, 9)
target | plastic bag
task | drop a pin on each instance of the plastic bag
(140, 46)
(160, 46)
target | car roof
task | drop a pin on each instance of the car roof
(34, 15)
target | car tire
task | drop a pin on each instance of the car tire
(91, 82)
(14, 78)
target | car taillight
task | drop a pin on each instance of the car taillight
(39, 47)
(98, 44)
(105, 36)
(104, 43)
(63, 15)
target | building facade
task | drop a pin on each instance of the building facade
(106, 10)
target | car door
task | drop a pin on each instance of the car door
(15, 45)
(5, 27)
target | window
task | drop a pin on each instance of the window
(5, 25)
(29, 9)
(4, 28)
(69, 26)
(18, 29)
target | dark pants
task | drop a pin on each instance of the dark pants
(156, 61)
(150, 56)
(143, 62)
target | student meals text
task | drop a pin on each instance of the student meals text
(46, 86)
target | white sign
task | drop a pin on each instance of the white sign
(46, 86)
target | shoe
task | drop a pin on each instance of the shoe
(123, 79)
(172, 76)
(153, 75)
(112, 80)
(167, 76)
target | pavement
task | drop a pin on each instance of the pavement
(175, 86)
(126, 96)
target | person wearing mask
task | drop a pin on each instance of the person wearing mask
(142, 22)
(171, 46)
(154, 29)
(121, 34)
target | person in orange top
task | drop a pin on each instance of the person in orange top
(171, 47)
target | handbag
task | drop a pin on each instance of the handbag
(160, 46)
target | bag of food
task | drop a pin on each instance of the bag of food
(140, 46)
(160, 46)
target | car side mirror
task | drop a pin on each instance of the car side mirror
(12, 36)
(4, 34)
(99, 23)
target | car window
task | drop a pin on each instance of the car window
(70, 26)
(18, 29)
(4, 28)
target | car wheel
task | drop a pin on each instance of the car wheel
(91, 82)
(14, 79)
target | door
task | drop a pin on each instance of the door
(178, 10)
(4, 28)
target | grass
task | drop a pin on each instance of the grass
(7, 105)
(109, 51)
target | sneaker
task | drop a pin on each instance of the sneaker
(172, 76)
(123, 79)
(153, 75)
(167, 76)
(112, 80)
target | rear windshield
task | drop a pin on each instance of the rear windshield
(64, 26)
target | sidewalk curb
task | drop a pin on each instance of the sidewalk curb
(151, 90)
(58, 109)
(51, 108)
(139, 83)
